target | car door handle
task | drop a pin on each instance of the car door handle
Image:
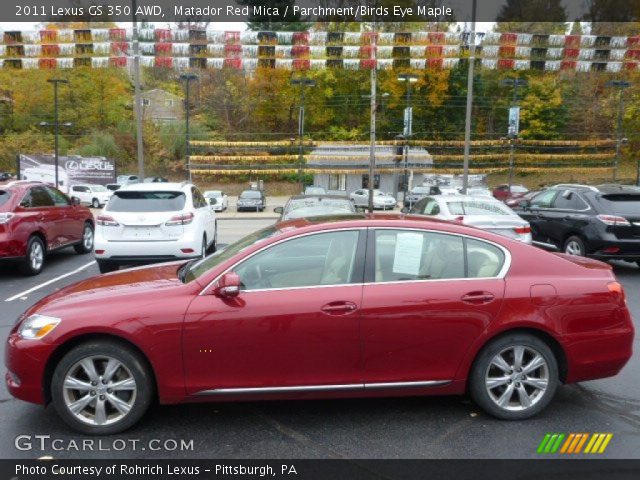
(478, 298)
(338, 308)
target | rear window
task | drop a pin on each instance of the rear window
(622, 204)
(123, 201)
(250, 194)
(4, 196)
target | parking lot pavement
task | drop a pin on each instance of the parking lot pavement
(435, 427)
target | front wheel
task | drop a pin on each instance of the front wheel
(101, 388)
(95, 203)
(514, 377)
(34, 261)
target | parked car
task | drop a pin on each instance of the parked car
(94, 195)
(502, 192)
(221, 202)
(314, 190)
(155, 180)
(149, 222)
(36, 219)
(127, 179)
(307, 309)
(381, 200)
(586, 222)
(517, 201)
(480, 212)
(300, 206)
(5, 176)
(478, 192)
(252, 200)
(113, 186)
(418, 193)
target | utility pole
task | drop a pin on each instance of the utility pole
(514, 120)
(187, 77)
(620, 84)
(303, 82)
(137, 97)
(408, 128)
(467, 122)
(56, 124)
(374, 108)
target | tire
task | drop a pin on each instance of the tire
(539, 394)
(35, 258)
(134, 397)
(105, 266)
(86, 245)
(203, 250)
(638, 263)
(214, 245)
(95, 203)
(574, 245)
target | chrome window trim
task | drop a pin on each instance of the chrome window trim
(501, 274)
(322, 388)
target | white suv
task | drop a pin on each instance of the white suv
(154, 222)
(93, 195)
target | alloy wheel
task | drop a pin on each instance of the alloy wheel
(87, 238)
(99, 390)
(36, 256)
(517, 378)
(573, 248)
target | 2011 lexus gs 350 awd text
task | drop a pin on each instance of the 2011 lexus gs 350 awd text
(353, 306)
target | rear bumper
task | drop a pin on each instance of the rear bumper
(628, 249)
(147, 251)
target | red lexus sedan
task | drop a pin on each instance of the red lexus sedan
(36, 219)
(354, 306)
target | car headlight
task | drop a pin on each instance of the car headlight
(37, 326)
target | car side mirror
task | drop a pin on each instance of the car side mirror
(228, 286)
(279, 210)
(75, 201)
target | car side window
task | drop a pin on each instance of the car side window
(40, 198)
(569, 200)
(483, 259)
(59, 198)
(418, 207)
(198, 199)
(413, 255)
(312, 260)
(543, 199)
(431, 207)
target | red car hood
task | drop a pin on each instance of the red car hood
(103, 290)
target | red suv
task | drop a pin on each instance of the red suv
(503, 193)
(36, 219)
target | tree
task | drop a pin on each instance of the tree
(543, 111)
(532, 16)
(613, 17)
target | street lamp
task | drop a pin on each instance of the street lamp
(514, 120)
(622, 85)
(187, 78)
(302, 82)
(56, 124)
(408, 127)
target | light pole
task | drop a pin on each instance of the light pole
(302, 82)
(467, 120)
(56, 124)
(408, 127)
(515, 117)
(622, 85)
(137, 92)
(188, 77)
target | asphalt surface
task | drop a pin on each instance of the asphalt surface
(433, 427)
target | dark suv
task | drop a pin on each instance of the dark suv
(602, 223)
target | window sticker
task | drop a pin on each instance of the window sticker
(408, 253)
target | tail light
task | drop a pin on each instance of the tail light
(614, 220)
(106, 221)
(617, 291)
(611, 250)
(523, 230)
(180, 219)
(6, 217)
(459, 219)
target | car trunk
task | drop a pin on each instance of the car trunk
(504, 225)
(141, 227)
(626, 205)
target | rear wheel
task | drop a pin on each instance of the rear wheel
(514, 377)
(101, 388)
(203, 251)
(105, 266)
(574, 246)
(86, 245)
(34, 261)
(95, 203)
(214, 245)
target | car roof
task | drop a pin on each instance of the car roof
(319, 197)
(457, 198)
(166, 187)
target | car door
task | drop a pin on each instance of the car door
(205, 213)
(41, 210)
(72, 218)
(538, 214)
(568, 213)
(360, 198)
(427, 297)
(295, 322)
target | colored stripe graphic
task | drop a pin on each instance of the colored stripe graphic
(573, 443)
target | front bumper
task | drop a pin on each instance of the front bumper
(26, 361)
(250, 208)
(147, 251)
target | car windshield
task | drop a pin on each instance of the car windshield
(131, 201)
(312, 207)
(99, 188)
(213, 194)
(622, 204)
(477, 207)
(379, 193)
(518, 189)
(420, 190)
(200, 267)
(4, 196)
(123, 178)
(250, 194)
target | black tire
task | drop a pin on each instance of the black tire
(95, 203)
(35, 248)
(214, 245)
(105, 266)
(480, 369)
(137, 366)
(84, 246)
(638, 263)
(204, 249)
(574, 244)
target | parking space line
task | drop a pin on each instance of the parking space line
(49, 282)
